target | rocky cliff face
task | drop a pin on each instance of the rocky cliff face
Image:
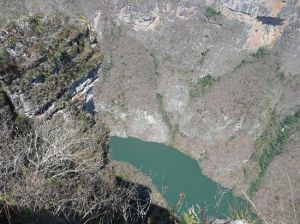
(47, 62)
(48, 66)
(204, 76)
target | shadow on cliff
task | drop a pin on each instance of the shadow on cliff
(154, 214)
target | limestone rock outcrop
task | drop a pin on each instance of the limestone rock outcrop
(48, 62)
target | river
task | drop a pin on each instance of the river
(173, 172)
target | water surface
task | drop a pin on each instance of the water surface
(173, 173)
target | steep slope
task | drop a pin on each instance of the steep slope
(47, 61)
(278, 197)
(204, 76)
(197, 77)
(54, 162)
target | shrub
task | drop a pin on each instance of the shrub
(4, 57)
(243, 214)
(211, 12)
(22, 122)
(202, 86)
(270, 144)
(260, 53)
(59, 169)
(37, 25)
(173, 129)
(11, 41)
(193, 217)
(203, 55)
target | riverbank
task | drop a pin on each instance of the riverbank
(177, 176)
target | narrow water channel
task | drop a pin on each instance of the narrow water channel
(173, 173)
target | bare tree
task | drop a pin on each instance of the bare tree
(60, 167)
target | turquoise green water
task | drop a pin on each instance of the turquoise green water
(173, 172)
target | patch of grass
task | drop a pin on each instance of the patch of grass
(211, 12)
(11, 41)
(65, 58)
(202, 86)
(115, 32)
(260, 53)
(4, 56)
(194, 215)
(242, 214)
(79, 187)
(53, 182)
(280, 75)
(21, 118)
(40, 29)
(191, 219)
(12, 25)
(107, 67)
(241, 64)
(8, 199)
(119, 100)
(203, 55)
(37, 25)
(160, 100)
(270, 144)
(207, 81)
(82, 17)
(173, 129)
(156, 63)
(22, 122)
(85, 117)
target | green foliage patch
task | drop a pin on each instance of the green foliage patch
(203, 56)
(259, 54)
(211, 12)
(173, 128)
(202, 86)
(243, 214)
(22, 122)
(4, 57)
(37, 25)
(270, 144)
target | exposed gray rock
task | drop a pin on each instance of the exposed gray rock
(48, 62)
(157, 52)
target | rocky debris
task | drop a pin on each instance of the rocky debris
(47, 61)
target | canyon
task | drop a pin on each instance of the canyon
(210, 78)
